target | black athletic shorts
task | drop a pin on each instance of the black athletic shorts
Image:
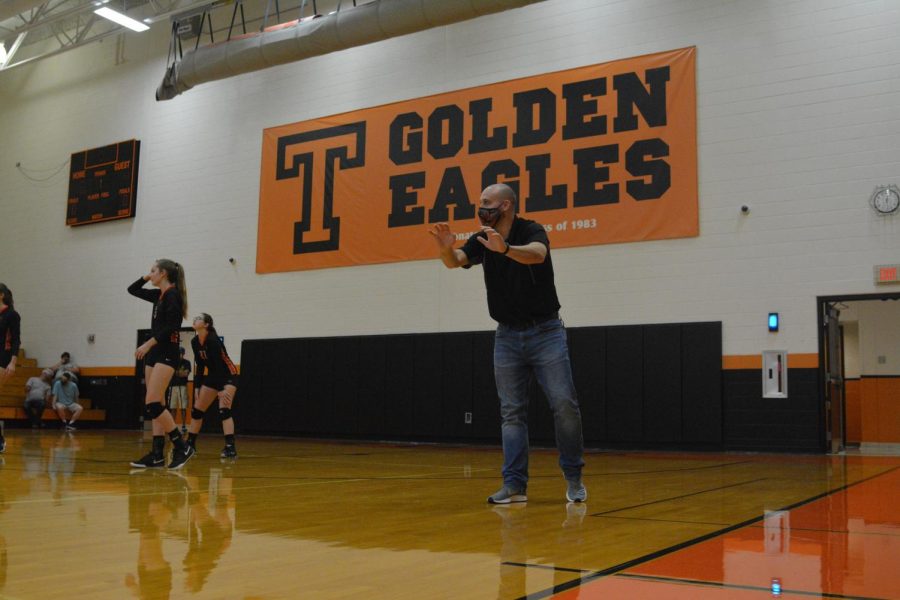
(5, 357)
(166, 354)
(217, 383)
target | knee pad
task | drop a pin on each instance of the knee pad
(197, 414)
(225, 413)
(153, 410)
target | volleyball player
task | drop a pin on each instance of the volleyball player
(218, 381)
(161, 354)
(9, 341)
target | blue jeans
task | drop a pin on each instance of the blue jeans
(540, 351)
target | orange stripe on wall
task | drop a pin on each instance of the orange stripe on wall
(731, 362)
(736, 362)
(117, 371)
(107, 371)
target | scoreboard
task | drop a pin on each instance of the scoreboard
(103, 183)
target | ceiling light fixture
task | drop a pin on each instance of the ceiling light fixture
(117, 17)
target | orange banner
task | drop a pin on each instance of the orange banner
(598, 155)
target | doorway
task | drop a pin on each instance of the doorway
(859, 367)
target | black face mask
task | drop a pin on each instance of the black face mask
(489, 216)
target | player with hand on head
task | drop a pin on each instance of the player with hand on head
(161, 354)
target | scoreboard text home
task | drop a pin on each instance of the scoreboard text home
(103, 183)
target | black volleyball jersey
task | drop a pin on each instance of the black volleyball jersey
(167, 311)
(10, 324)
(212, 359)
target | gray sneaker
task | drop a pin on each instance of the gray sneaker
(576, 492)
(507, 495)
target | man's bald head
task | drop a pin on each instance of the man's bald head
(499, 192)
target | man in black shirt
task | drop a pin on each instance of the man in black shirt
(530, 339)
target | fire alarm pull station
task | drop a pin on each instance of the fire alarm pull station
(774, 373)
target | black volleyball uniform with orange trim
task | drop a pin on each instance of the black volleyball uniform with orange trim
(165, 324)
(215, 368)
(10, 323)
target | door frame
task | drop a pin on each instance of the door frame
(822, 303)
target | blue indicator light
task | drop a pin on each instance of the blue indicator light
(773, 321)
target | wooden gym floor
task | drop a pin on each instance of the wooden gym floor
(302, 519)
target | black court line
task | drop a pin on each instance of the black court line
(447, 477)
(536, 566)
(724, 487)
(737, 586)
(599, 516)
(698, 582)
(657, 471)
(692, 542)
(842, 531)
(621, 473)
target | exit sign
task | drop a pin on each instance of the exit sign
(887, 273)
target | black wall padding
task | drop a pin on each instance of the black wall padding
(638, 385)
(320, 385)
(457, 389)
(791, 424)
(701, 383)
(427, 388)
(625, 383)
(371, 386)
(663, 400)
(587, 348)
(485, 406)
(399, 393)
(345, 391)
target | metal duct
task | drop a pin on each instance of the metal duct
(346, 28)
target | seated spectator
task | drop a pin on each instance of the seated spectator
(66, 365)
(37, 389)
(65, 400)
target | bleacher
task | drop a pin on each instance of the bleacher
(12, 396)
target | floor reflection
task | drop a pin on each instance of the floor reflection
(517, 558)
(196, 510)
(304, 519)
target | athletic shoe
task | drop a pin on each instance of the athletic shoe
(70, 427)
(149, 461)
(180, 457)
(507, 495)
(576, 491)
(2, 444)
(229, 451)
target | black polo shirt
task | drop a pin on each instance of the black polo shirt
(516, 293)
